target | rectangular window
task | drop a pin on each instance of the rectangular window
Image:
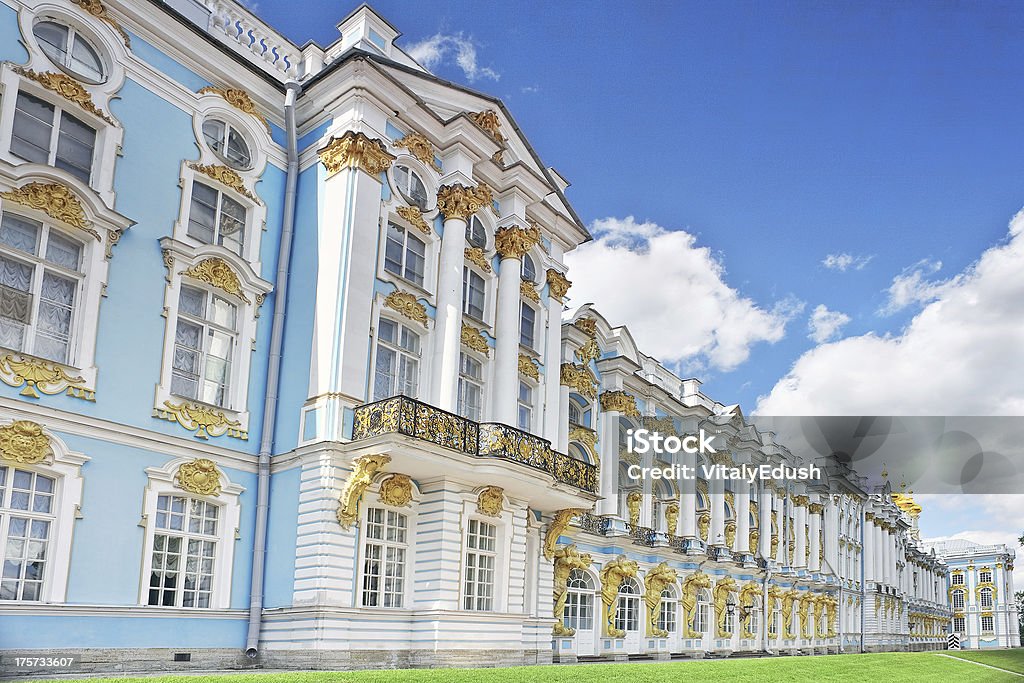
(986, 598)
(958, 579)
(627, 614)
(39, 285)
(667, 616)
(384, 558)
(958, 624)
(472, 294)
(46, 134)
(404, 254)
(215, 218)
(525, 406)
(204, 344)
(527, 323)
(184, 550)
(26, 517)
(397, 365)
(481, 543)
(470, 388)
(958, 600)
(985, 576)
(987, 624)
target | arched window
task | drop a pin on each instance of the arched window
(529, 271)
(775, 624)
(669, 608)
(69, 50)
(411, 186)
(958, 600)
(703, 620)
(476, 234)
(27, 503)
(986, 598)
(574, 413)
(227, 143)
(579, 602)
(627, 611)
(579, 452)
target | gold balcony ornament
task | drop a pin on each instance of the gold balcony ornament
(491, 501)
(67, 87)
(565, 561)
(612, 576)
(476, 256)
(41, 376)
(216, 271)
(205, 421)
(514, 242)
(406, 304)
(588, 326)
(528, 367)
(415, 218)
(474, 339)
(56, 201)
(240, 100)
(419, 146)
(225, 176)
(527, 291)
(460, 202)
(396, 491)
(355, 150)
(556, 527)
(655, 581)
(724, 587)
(199, 476)
(96, 9)
(558, 284)
(671, 518)
(363, 471)
(692, 585)
(23, 442)
(580, 378)
(621, 402)
(749, 594)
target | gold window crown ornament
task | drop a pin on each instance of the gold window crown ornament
(200, 476)
(56, 201)
(396, 491)
(415, 218)
(476, 256)
(528, 367)
(225, 176)
(240, 100)
(491, 501)
(580, 378)
(24, 442)
(67, 87)
(474, 339)
(406, 304)
(419, 146)
(355, 150)
(216, 271)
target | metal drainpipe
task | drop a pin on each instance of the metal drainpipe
(259, 548)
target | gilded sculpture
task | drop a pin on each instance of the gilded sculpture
(56, 201)
(355, 150)
(565, 561)
(671, 518)
(587, 325)
(655, 582)
(590, 351)
(556, 528)
(704, 525)
(419, 146)
(474, 339)
(724, 588)
(514, 242)
(788, 598)
(36, 375)
(806, 603)
(415, 218)
(396, 491)
(692, 585)
(406, 304)
(774, 596)
(528, 367)
(460, 202)
(24, 442)
(225, 176)
(620, 401)
(363, 470)
(580, 378)
(488, 120)
(476, 256)
(558, 284)
(612, 576)
(216, 271)
(633, 501)
(730, 533)
(199, 476)
(240, 100)
(491, 501)
(201, 419)
(67, 87)
(749, 595)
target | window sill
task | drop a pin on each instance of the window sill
(397, 280)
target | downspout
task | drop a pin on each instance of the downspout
(259, 548)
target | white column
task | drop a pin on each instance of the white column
(608, 445)
(781, 551)
(743, 519)
(562, 443)
(766, 509)
(511, 243)
(687, 498)
(879, 552)
(448, 319)
(554, 418)
(799, 524)
(868, 550)
(716, 489)
(814, 510)
(647, 503)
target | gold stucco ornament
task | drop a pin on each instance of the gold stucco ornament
(556, 528)
(580, 378)
(199, 476)
(655, 582)
(692, 585)
(588, 326)
(612, 576)
(491, 501)
(419, 146)
(514, 242)
(460, 202)
(356, 150)
(566, 560)
(476, 256)
(527, 291)
(558, 284)
(239, 99)
(24, 442)
(56, 201)
(621, 402)
(98, 10)
(67, 87)
(396, 491)
(415, 218)
(216, 271)
(474, 339)
(406, 304)
(528, 367)
(36, 375)
(363, 471)
(225, 176)
(204, 420)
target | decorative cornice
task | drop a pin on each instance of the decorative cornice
(225, 176)
(527, 291)
(56, 201)
(491, 501)
(588, 326)
(199, 476)
(38, 375)
(355, 150)
(460, 202)
(396, 491)
(474, 339)
(361, 476)
(558, 284)
(406, 304)
(620, 401)
(216, 271)
(513, 242)
(240, 100)
(67, 87)
(24, 442)
(415, 218)
(476, 256)
(528, 367)
(419, 146)
(203, 420)
(580, 378)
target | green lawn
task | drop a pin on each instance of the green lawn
(1004, 659)
(884, 668)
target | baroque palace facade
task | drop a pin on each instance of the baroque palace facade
(287, 378)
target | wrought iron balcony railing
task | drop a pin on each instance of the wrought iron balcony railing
(419, 420)
(641, 534)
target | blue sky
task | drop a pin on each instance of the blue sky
(774, 135)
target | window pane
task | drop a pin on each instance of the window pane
(15, 302)
(414, 259)
(232, 225)
(238, 150)
(84, 60)
(53, 328)
(222, 313)
(213, 133)
(20, 233)
(203, 213)
(192, 301)
(384, 373)
(526, 325)
(74, 147)
(53, 39)
(62, 251)
(33, 127)
(394, 249)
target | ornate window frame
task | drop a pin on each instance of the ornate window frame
(429, 176)
(372, 499)
(50, 196)
(380, 310)
(65, 466)
(504, 529)
(431, 249)
(226, 273)
(167, 480)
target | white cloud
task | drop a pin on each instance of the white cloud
(963, 354)
(824, 325)
(912, 286)
(672, 295)
(443, 48)
(844, 261)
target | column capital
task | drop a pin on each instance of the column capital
(514, 242)
(558, 284)
(815, 508)
(619, 401)
(356, 150)
(461, 202)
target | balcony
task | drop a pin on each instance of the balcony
(401, 415)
